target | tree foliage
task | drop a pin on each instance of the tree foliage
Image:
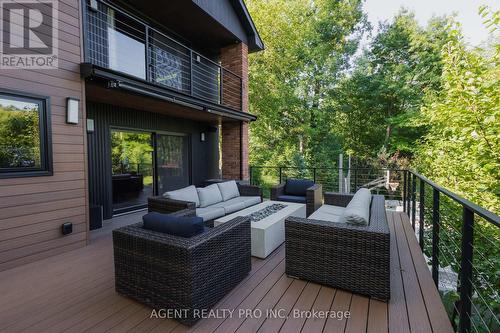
(308, 45)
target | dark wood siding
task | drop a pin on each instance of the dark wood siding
(33, 209)
(204, 155)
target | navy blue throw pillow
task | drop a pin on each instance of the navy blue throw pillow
(173, 225)
(298, 186)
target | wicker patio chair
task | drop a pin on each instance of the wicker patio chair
(313, 198)
(187, 274)
(345, 256)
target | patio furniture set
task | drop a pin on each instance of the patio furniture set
(195, 244)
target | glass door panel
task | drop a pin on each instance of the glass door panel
(132, 169)
(172, 162)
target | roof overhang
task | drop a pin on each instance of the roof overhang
(118, 80)
(255, 43)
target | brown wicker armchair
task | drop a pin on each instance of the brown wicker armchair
(313, 198)
(345, 256)
(186, 274)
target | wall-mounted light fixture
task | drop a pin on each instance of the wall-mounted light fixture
(90, 126)
(203, 137)
(72, 110)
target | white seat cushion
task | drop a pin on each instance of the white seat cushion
(184, 194)
(250, 201)
(357, 211)
(228, 190)
(231, 205)
(209, 195)
(318, 215)
(332, 210)
(210, 213)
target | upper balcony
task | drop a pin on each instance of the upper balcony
(122, 45)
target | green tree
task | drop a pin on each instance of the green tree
(308, 45)
(378, 104)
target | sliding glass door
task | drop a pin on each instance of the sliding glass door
(172, 158)
(132, 169)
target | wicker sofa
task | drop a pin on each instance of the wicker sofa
(186, 274)
(313, 197)
(168, 205)
(345, 256)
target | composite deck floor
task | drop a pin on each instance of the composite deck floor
(74, 292)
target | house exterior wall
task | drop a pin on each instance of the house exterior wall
(32, 209)
(235, 135)
(203, 156)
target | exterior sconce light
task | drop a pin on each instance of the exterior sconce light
(90, 126)
(203, 137)
(72, 110)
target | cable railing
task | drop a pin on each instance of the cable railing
(119, 41)
(459, 239)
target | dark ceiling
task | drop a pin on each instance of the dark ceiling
(191, 24)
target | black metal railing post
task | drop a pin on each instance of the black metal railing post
(314, 175)
(413, 200)
(191, 69)
(421, 223)
(221, 92)
(466, 271)
(281, 174)
(408, 193)
(435, 236)
(148, 56)
(250, 171)
(405, 184)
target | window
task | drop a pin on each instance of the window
(24, 136)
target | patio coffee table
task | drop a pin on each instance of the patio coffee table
(268, 224)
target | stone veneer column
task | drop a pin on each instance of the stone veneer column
(235, 134)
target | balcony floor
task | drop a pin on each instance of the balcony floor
(74, 292)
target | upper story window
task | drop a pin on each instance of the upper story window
(24, 136)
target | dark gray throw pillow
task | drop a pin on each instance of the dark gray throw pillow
(297, 186)
(173, 225)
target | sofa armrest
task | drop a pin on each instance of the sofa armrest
(165, 205)
(277, 190)
(337, 199)
(314, 198)
(250, 190)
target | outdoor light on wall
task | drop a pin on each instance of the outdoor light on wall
(203, 137)
(72, 107)
(90, 125)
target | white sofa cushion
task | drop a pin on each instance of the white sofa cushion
(231, 205)
(328, 213)
(319, 215)
(210, 213)
(184, 194)
(357, 211)
(251, 201)
(209, 195)
(228, 190)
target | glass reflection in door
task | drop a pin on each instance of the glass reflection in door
(172, 162)
(132, 169)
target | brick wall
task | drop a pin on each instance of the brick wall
(235, 134)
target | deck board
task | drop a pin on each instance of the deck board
(74, 292)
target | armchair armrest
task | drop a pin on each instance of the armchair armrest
(164, 205)
(250, 190)
(337, 199)
(277, 191)
(314, 198)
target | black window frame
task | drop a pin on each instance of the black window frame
(45, 132)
